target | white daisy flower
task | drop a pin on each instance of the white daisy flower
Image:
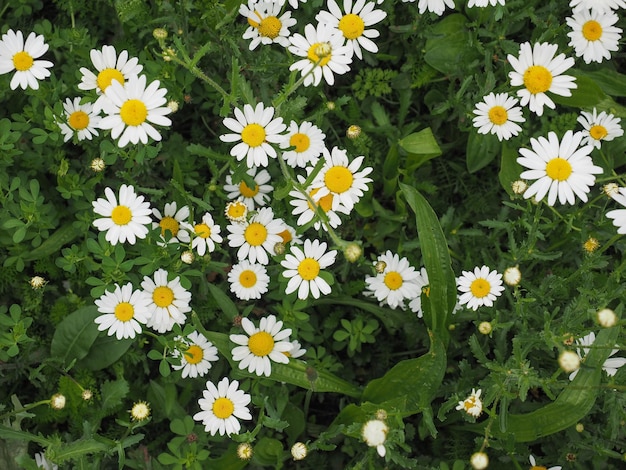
(619, 215)
(15, 54)
(236, 211)
(415, 304)
(610, 366)
(296, 350)
(533, 462)
(124, 311)
(480, 287)
(435, 6)
(353, 23)
(248, 280)
(259, 346)
(266, 26)
(222, 407)
(206, 235)
(472, 405)
(396, 282)
(308, 140)
(303, 266)
(196, 355)
(341, 178)
(324, 54)
(498, 114)
(256, 128)
(132, 109)
(561, 168)
(169, 301)
(173, 221)
(42, 462)
(539, 72)
(599, 5)
(80, 119)
(255, 196)
(256, 237)
(594, 35)
(125, 221)
(374, 433)
(305, 211)
(289, 234)
(484, 3)
(599, 127)
(110, 67)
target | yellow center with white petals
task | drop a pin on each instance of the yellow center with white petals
(286, 236)
(498, 115)
(246, 191)
(270, 27)
(314, 50)
(469, 403)
(163, 296)
(106, 76)
(537, 79)
(261, 343)
(352, 26)
(236, 210)
(133, 112)
(22, 61)
(78, 120)
(308, 269)
(325, 202)
(255, 234)
(300, 141)
(121, 215)
(247, 278)
(480, 288)
(194, 354)
(253, 135)
(559, 169)
(538, 467)
(223, 408)
(202, 230)
(124, 311)
(598, 132)
(393, 280)
(592, 30)
(169, 223)
(338, 179)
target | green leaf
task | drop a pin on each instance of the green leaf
(75, 334)
(105, 351)
(79, 448)
(53, 243)
(481, 150)
(587, 93)
(449, 49)
(611, 82)
(510, 170)
(268, 451)
(421, 143)
(113, 393)
(224, 301)
(10, 433)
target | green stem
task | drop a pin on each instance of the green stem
(25, 408)
(195, 70)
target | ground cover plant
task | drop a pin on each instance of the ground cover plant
(312, 234)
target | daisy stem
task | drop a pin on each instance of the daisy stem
(195, 70)
(560, 216)
(608, 244)
(24, 408)
(283, 96)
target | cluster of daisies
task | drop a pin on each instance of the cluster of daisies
(131, 106)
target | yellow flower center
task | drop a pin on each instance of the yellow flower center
(559, 169)
(270, 27)
(338, 179)
(325, 202)
(308, 269)
(598, 132)
(124, 311)
(538, 467)
(163, 296)
(255, 234)
(286, 236)
(78, 120)
(393, 280)
(592, 30)
(426, 290)
(22, 61)
(202, 230)
(223, 408)
(253, 135)
(469, 403)
(261, 343)
(352, 26)
(300, 141)
(313, 56)
(169, 223)
(133, 112)
(498, 115)
(236, 210)
(480, 288)
(247, 278)
(537, 79)
(121, 215)
(246, 191)
(194, 354)
(106, 76)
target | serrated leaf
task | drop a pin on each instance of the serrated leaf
(113, 393)
(75, 335)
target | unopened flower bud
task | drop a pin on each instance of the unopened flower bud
(159, 34)
(87, 394)
(173, 105)
(353, 132)
(381, 414)
(187, 257)
(299, 451)
(323, 49)
(479, 461)
(512, 276)
(97, 165)
(607, 318)
(57, 401)
(591, 245)
(380, 267)
(580, 427)
(279, 248)
(330, 105)
(140, 411)
(519, 186)
(610, 189)
(37, 282)
(244, 451)
(485, 328)
(352, 252)
(569, 361)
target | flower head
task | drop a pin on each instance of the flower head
(480, 287)
(398, 281)
(173, 222)
(306, 211)
(299, 451)
(259, 346)
(308, 142)
(248, 280)
(123, 221)
(599, 127)
(256, 237)
(123, 311)
(110, 67)
(169, 301)
(610, 366)
(569, 361)
(539, 72)
(479, 461)
(435, 6)
(15, 54)
(593, 35)
(222, 407)
(472, 405)
(196, 355)
(533, 462)
(244, 451)
(236, 211)
(512, 276)
(140, 411)
(57, 401)
(206, 235)
(498, 114)
(81, 119)
(37, 282)
(599, 5)
(619, 215)
(607, 318)
(303, 268)
(561, 168)
(374, 433)
(267, 25)
(254, 195)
